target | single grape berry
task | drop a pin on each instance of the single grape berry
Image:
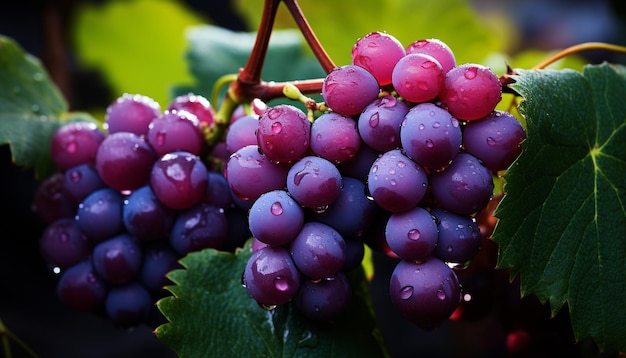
(335, 137)
(175, 131)
(81, 288)
(318, 250)
(348, 89)
(417, 77)
(314, 182)
(131, 113)
(283, 133)
(275, 218)
(271, 277)
(435, 48)
(196, 105)
(459, 237)
(496, 139)
(471, 91)
(324, 300)
(412, 234)
(378, 52)
(426, 292)
(75, 143)
(179, 179)
(379, 123)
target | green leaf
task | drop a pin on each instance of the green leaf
(30, 108)
(136, 44)
(214, 52)
(211, 314)
(563, 219)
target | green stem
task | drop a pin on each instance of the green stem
(7, 335)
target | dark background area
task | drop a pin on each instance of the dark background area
(30, 309)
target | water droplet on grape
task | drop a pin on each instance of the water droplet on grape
(318, 137)
(401, 164)
(75, 176)
(281, 284)
(56, 270)
(374, 168)
(441, 295)
(470, 73)
(276, 208)
(450, 248)
(391, 171)
(71, 147)
(406, 292)
(160, 137)
(421, 126)
(320, 209)
(436, 125)
(491, 141)
(374, 120)
(274, 113)
(429, 143)
(243, 281)
(393, 182)
(428, 64)
(277, 127)
(414, 234)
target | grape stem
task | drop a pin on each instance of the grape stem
(586, 46)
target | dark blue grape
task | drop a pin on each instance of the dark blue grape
(99, 216)
(128, 305)
(62, 244)
(145, 217)
(118, 259)
(318, 251)
(80, 288)
(200, 227)
(459, 236)
(271, 277)
(80, 181)
(158, 259)
(426, 292)
(275, 218)
(218, 192)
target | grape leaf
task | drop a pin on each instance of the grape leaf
(563, 219)
(30, 107)
(212, 314)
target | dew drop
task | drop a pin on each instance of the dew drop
(160, 138)
(393, 182)
(428, 64)
(441, 295)
(406, 292)
(436, 125)
(391, 171)
(75, 176)
(374, 120)
(401, 164)
(374, 168)
(281, 284)
(470, 73)
(276, 208)
(421, 126)
(414, 234)
(277, 127)
(274, 113)
(491, 141)
(429, 143)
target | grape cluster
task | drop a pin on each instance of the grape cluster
(128, 201)
(403, 161)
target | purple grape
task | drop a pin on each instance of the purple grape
(335, 137)
(75, 143)
(158, 259)
(396, 182)
(464, 187)
(355, 252)
(51, 202)
(359, 166)
(318, 250)
(131, 113)
(284, 133)
(271, 277)
(80, 181)
(118, 259)
(426, 292)
(324, 300)
(81, 289)
(418, 77)
(275, 218)
(179, 179)
(145, 217)
(314, 182)
(471, 91)
(196, 105)
(379, 123)
(250, 173)
(349, 89)
(128, 305)
(430, 135)
(377, 52)
(124, 160)
(62, 244)
(242, 132)
(459, 236)
(435, 48)
(352, 212)
(496, 139)
(199, 227)
(412, 234)
(176, 130)
(218, 191)
(99, 216)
